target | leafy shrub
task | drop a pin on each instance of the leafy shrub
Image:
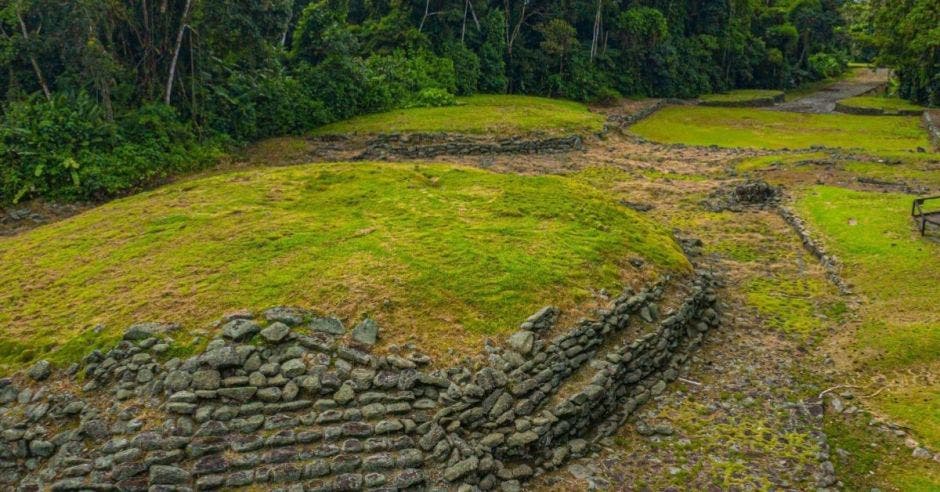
(404, 75)
(466, 67)
(253, 106)
(825, 65)
(344, 86)
(67, 149)
(45, 143)
(433, 97)
(493, 53)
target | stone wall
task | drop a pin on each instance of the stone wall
(429, 145)
(511, 413)
(932, 122)
(287, 400)
(621, 121)
(860, 110)
(756, 102)
(829, 262)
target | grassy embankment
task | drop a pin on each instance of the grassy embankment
(499, 115)
(920, 170)
(754, 128)
(887, 104)
(438, 254)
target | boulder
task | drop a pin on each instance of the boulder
(327, 325)
(40, 370)
(240, 329)
(143, 331)
(366, 332)
(522, 341)
(275, 332)
(168, 475)
(287, 315)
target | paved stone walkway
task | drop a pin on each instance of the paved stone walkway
(824, 101)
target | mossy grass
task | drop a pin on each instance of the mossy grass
(874, 459)
(439, 254)
(791, 305)
(489, 114)
(897, 271)
(888, 104)
(915, 172)
(758, 128)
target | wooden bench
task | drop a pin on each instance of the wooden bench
(925, 216)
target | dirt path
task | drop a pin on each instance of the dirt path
(824, 101)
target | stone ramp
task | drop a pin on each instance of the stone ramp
(824, 101)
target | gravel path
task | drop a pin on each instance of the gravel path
(824, 101)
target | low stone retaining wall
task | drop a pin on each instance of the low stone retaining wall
(932, 122)
(829, 262)
(858, 110)
(288, 400)
(757, 102)
(429, 145)
(623, 121)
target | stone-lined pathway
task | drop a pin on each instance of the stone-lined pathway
(824, 100)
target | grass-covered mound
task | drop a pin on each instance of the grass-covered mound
(913, 169)
(757, 128)
(898, 272)
(878, 105)
(743, 97)
(440, 254)
(497, 114)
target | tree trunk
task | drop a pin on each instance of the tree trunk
(463, 26)
(516, 30)
(32, 60)
(427, 5)
(290, 17)
(597, 30)
(184, 24)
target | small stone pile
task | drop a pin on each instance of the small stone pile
(740, 196)
(292, 401)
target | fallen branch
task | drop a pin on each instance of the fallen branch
(689, 381)
(837, 387)
(876, 393)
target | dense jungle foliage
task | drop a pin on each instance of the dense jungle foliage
(103, 96)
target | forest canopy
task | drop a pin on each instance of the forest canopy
(100, 97)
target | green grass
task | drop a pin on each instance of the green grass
(897, 272)
(789, 305)
(438, 254)
(875, 460)
(756, 128)
(889, 104)
(495, 114)
(912, 171)
(741, 96)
